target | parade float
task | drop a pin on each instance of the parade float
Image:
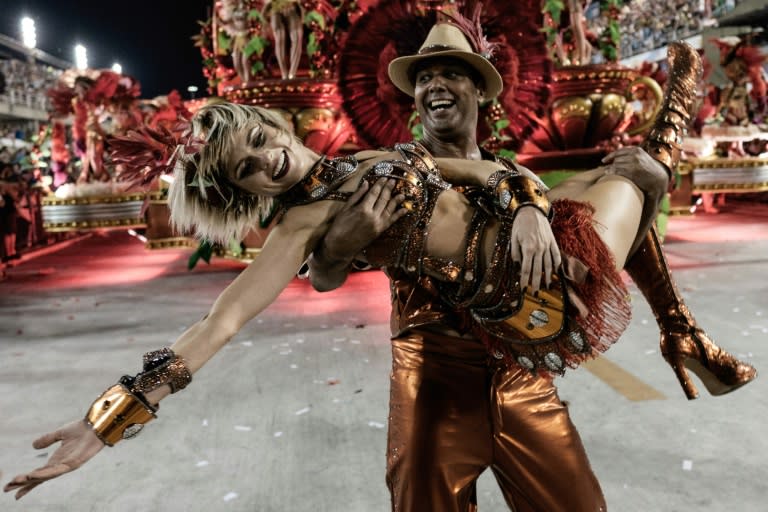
(97, 103)
(321, 64)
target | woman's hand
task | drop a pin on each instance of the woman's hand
(534, 247)
(78, 444)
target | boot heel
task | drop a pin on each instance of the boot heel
(708, 378)
(679, 365)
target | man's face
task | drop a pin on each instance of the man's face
(447, 99)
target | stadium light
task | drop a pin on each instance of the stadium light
(117, 68)
(81, 57)
(28, 32)
(192, 89)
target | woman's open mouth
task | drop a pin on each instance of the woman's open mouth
(283, 165)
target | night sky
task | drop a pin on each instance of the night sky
(149, 38)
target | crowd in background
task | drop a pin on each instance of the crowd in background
(24, 83)
(20, 195)
(649, 24)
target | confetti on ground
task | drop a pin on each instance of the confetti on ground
(202, 464)
(354, 342)
(259, 320)
(243, 428)
(644, 321)
(687, 465)
(285, 344)
(758, 313)
(324, 326)
(649, 352)
(693, 431)
(299, 340)
(288, 325)
(70, 317)
(358, 391)
(230, 496)
(736, 310)
(247, 343)
(376, 424)
(336, 349)
(333, 382)
(285, 352)
(305, 410)
(278, 434)
(339, 340)
(360, 326)
(294, 366)
(205, 423)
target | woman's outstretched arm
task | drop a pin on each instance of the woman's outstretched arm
(251, 292)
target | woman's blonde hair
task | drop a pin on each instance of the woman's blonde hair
(201, 198)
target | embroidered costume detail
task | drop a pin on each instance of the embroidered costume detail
(418, 179)
(582, 313)
(588, 297)
(321, 182)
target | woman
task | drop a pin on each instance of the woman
(242, 159)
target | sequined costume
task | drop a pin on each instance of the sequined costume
(590, 297)
(457, 408)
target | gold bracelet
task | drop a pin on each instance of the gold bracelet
(511, 191)
(119, 414)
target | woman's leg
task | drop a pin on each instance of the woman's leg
(618, 207)
(296, 31)
(278, 29)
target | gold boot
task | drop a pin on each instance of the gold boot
(684, 344)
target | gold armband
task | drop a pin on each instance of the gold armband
(119, 414)
(511, 191)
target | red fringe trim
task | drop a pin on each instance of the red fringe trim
(602, 292)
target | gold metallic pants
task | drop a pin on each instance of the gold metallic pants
(453, 414)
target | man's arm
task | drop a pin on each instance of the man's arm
(366, 215)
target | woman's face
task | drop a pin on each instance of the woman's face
(267, 161)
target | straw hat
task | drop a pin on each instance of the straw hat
(446, 40)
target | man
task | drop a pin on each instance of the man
(455, 410)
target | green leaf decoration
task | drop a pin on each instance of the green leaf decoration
(204, 251)
(417, 131)
(316, 17)
(235, 248)
(255, 14)
(555, 9)
(312, 45)
(224, 41)
(255, 46)
(501, 124)
(508, 153)
(257, 67)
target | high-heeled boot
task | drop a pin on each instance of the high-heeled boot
(684, 344)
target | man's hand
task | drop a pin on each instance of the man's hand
(369, 212)
(534, 247)
(640, 168)
(79, 444)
